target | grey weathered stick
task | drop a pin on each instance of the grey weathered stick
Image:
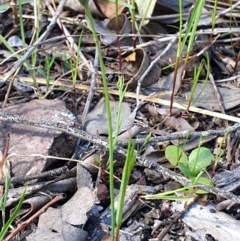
(222, 13)
(75, 131)
(185, 134)
(72, 129)
(51, 173)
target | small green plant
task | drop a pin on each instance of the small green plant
(214, 13)
(189, 38)
(21, 25)
(128, 166)
(144, 145)
(112, 140)
(219, 153)
(192, 28)
(71, 65)
(118, 117)
(196, 77)
(75, 62)
(193, 166)
(133, 23)
(47, 67)
(3, 201)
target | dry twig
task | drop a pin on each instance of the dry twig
(141, 161)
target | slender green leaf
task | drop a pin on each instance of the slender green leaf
(128, 166)
(174, 198)
(3, 199)
(3, 40)
(168, 195)
(12, 217)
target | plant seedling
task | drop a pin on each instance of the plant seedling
(193, 166)
(128, 166)
(3, 202)
(47, 67)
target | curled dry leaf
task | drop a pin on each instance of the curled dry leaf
(91, 162)
(15, 42)
(224, 205)
(108, 8)
(169, 57)
(135, 65)
(108, 33)
(34, 203)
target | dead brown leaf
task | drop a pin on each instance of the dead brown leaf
(109, 8)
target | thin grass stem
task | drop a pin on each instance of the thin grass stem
(108, 112)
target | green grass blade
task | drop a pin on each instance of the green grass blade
(2, 39)
(129, 164)
(12, 217)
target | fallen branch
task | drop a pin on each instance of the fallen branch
(74, 129)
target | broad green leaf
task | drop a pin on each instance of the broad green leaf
(176, 155)
(199, 160)
(145, 9)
